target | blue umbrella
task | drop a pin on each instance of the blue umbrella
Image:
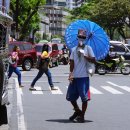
(97, 37)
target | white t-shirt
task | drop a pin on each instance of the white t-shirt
(80, 63)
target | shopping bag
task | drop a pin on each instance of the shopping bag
(91, 68)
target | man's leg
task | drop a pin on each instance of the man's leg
(84, 107)
(83, 92)
(77, 110)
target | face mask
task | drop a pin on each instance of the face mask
(81, 41)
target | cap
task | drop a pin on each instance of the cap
(81, 34)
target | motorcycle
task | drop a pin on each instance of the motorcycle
(116, 65)
(64, 59)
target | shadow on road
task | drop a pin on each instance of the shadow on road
(66, 121)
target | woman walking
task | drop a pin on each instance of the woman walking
(43, 68)
(13, 66)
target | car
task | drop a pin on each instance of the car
(120, 48)
(27, 54)
(53, 50)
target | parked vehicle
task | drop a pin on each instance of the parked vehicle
(64, 55)
(115, 65)
(27, 54)
(5, 22)
(54, 53)
(120, 48)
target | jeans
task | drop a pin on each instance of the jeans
(16, 71)
(39, 75)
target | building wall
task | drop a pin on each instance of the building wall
(56, 15)
(71, 4)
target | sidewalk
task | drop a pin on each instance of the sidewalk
(4, 127)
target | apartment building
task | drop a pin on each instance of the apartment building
(71, 4)
(54, 10)
(60, 3)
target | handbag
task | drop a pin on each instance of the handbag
(42, 64)
(11, 61)
(90, 66)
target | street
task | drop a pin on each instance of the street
(108, 109)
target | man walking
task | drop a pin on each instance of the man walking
(79, 78)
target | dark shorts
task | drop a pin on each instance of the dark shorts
(78, 88)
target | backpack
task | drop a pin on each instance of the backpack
(42, 64)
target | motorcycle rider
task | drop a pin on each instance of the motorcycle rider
(110, 57)
(64, 49)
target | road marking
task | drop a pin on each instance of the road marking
(38, 90)
(94, 90)
(58, 91)
(111, 90)
(43, 75)
(122, 87)
(20, 112)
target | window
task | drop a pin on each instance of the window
(38, 48)
(27, 46)
(54, 47)
(118, 48)
(60, 47)
(11, 46)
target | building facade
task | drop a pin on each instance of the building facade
(54, 10)
(71, 4)
(61, 3)
(56, 16)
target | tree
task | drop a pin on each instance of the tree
(110, 14)
(25, 15)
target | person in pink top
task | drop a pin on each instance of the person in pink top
(13, 67)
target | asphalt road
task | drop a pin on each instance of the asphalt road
(109, 108)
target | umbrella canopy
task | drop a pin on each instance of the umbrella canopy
(43, 41)
(96, 37)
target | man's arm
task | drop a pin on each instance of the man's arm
(71, 69)
(90, 59)
(71, 66)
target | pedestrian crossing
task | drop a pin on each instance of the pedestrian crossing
(111, 88)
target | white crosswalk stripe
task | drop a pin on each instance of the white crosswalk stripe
(122, 87)
(38, 90)
(94, 90)
(111, 90)
(58, 91)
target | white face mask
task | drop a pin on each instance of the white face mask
(81, 41)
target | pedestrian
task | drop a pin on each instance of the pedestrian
(13, 64)
(43, 68)
(79, 77)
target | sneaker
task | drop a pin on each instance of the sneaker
(76, 114)
(53, 88)
(32, 89)
(21, 86)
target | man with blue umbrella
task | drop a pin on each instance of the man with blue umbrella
(79, 77)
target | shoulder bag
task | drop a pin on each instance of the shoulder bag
(90, 66)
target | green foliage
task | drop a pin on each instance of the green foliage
(38, 37)
(110, 14)
(25, 15)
